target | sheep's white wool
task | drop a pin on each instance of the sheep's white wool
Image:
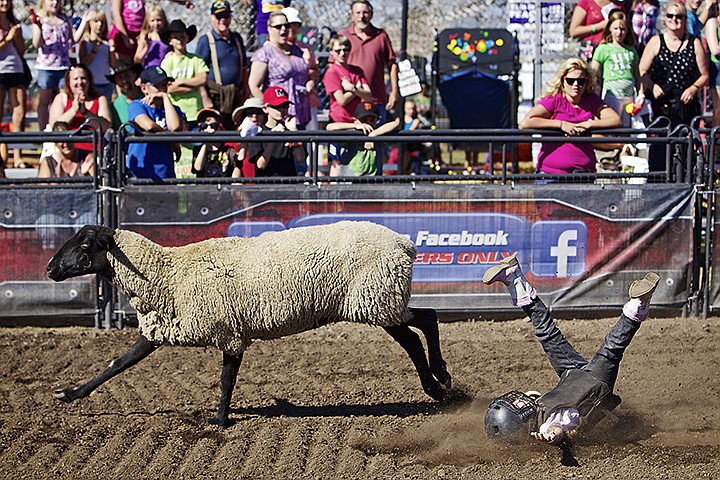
(226, 292)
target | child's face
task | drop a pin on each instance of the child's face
(53, 5)
(618, 29)
(178, 40)
(150, 89)
(369, 120)
(156, 22)
(256, 116)
(409, 108)
(96, 26)
(5, 5)
(340, 53)
(210, 125)
(279, 113)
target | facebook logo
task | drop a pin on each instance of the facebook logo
(558, 249)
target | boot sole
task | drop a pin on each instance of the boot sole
(645, 285)
(492, 272)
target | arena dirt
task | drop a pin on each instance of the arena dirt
(344, 402)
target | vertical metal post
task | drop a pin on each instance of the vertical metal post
(537, 61)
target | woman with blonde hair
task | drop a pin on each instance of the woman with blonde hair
(572, 105)
(150, 49)
(95, 51)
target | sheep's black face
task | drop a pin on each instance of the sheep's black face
(84, 253)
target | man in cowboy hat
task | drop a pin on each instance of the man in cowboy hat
(123, 77)
(190, 72)
(224, 52)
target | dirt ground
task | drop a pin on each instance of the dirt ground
(343, 402)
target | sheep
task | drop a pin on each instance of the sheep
(227, 292)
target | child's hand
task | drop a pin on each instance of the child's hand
(347, 85)
(13, 32)
(34, 18)
(555, 434)
(189, 5)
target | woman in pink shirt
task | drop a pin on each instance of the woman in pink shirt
(570, 104)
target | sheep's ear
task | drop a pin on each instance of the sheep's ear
(105, 238)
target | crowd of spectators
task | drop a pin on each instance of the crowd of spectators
(133, 68)
(136, 67)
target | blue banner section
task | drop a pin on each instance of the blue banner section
(459, 247)
(559, 248)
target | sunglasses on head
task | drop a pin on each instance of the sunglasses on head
(573, 81)
(678, 16)
(280, 26)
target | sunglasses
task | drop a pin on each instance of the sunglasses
(280, 26)
(572, 81)
(341, 50)
(213, 125)
(677, 16)
(223, 15)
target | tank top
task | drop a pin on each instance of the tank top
(675, 71)
(100, 64)
(79, 118)
(9, 58)
(156, 53)
(55, 53)
(52, 164)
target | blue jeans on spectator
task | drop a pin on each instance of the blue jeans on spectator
(50, 79)
(562, 355)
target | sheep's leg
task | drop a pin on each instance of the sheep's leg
(140, 349)
(425, 320)
(231, 365)
(410, 341)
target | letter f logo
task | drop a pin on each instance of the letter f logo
(563, 250)
(558, 248)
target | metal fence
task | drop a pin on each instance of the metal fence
(621, 223)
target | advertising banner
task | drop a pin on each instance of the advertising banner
(36, 221)
(580, 245)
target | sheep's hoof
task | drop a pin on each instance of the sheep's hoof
(435, 391)
(62, 395)
(443, 376)
(219, 421)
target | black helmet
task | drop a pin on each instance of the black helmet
(507, 417)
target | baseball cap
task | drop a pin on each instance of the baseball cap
(275, 96)
(365, 109)
(292, 15)
(220, 6)
(154, 76)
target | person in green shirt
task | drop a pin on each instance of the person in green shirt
(616, 62)
(124, 77)
(190, 72)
